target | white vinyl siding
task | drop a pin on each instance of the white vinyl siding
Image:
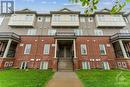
(106, 66)
(31, 32)
(102, 49)
(78, 32)
(82, 19)
(27, 49)
(83, 49)
(124, 31)
(47, 19)
(46, 48)
(98, 32)
(1, 19)
(85, 65)
(44, 65)
(51, 32)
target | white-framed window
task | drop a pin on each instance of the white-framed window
(56, 18)
(31, 32)
(106, 66)
(46, 48)
(44, 65)
(102, 49)
(47, 19)
(51, 32)
(78, 32)
(27, 48)
(1, 19)
(126, 20)
(85, 65)
(98, 32)
(39, 19)
(82, 19)
(29, 17)
(83, 49)
(73, 17)
(23, 65)
(90, 19)
(124, 31)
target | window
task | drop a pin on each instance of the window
(29, 17)
(39, 19)
(23, 65)
(124, 31)
(83, 49)
(106, 66)
(44, 65)
(1, 19)
(73, 18)
(51, 32)
(31, 32)
(46, 48)
(27, 49)
(78, 32)
(82, 19)
(102, 49)
(90, 19)
(98, 32)
(85, 65)
(56, 18)
(126, 20)
(47, 19)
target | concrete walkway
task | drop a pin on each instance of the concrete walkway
(64, 79)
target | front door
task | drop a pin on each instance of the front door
(65, 52)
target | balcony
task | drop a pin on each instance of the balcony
(65, 35)
(118, 36)
(9, 35)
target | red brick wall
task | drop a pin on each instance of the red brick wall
(36, 51)
(92, 44)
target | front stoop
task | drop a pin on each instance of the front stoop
(65, 79)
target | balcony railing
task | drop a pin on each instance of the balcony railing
(118, 36)
(9, 35)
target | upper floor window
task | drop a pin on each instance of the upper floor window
(78, 32)
(126, 20)
(90, 19)
(82, 19)
(1, 19)
(124, 31)
(29, 17)
(39, 19)
(102, 49)
(73, 17)
(51, 32)
(46, 48)
(27, 49)
(47, 19)
(83, 49)
(56, 18)
(98, 32)
(31, 32)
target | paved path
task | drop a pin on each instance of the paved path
(65, 79)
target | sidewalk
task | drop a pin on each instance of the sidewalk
(65, 79)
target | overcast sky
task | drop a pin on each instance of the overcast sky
(48, 5)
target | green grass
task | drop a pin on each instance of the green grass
(102, 78)
(24, 78)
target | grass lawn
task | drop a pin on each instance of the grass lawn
(24, 78)
(102, 78)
